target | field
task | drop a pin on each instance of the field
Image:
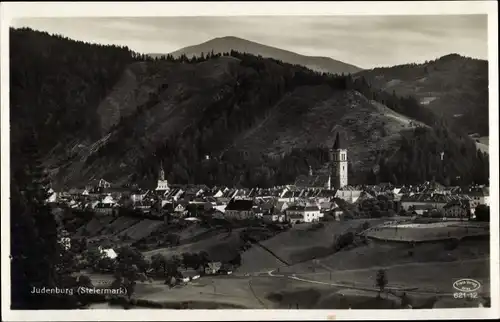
(141, 229)
(95, 225)
(427, 232)
(301, 244)
(220, 245)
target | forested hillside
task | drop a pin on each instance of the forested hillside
(453, 86)
(230, 118)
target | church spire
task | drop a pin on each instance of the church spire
(161, 175)
(339, 144)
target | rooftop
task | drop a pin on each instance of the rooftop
(339, 143)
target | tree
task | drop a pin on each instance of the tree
(172, 266)
(482, 213)
(36, 254)
(85, 281)
(236, 261)
(159, 262)
(131, 267)
(381, 280)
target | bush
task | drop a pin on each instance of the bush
(343, 241)
(451, 244)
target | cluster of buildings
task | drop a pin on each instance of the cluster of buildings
(309, 199)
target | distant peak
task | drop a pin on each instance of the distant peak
(230, 38)
(451, 56)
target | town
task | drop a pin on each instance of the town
(104, 218)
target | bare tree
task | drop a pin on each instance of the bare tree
(381, 280)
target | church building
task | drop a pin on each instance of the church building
(338, 163)
(162, 184)
(336, 176)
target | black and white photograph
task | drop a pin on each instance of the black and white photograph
(280, 162)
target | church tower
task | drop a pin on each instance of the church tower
(162, 183)
(338, 163)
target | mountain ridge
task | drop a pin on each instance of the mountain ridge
(260, 121)
(453, 86)
(228, 43)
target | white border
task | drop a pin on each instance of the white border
(115, 9)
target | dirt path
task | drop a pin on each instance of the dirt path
(372, 289)
(255, 295)
(395, 265)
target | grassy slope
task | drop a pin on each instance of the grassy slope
(296, 245)
(190, 88)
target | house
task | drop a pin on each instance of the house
(176, 210)
(274, 217)
(262, 208)
(108, 252)
(103, 184)
(139, 196)
(419, 203)
(175, 194)
(212, 268)
(280, 206)
(226, 269)
(196, 209)
(52, 196)
(108, 209)
(65, 242)
(313, 181)
(480, 195)
(457, 209)
(218, 193)
(190, 275)
(348, 193)
(337, 213)
(303, 213)
(195, 191)
(239, 209)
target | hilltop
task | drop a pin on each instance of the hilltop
(453, 86)
(226, 44)
(260, 121)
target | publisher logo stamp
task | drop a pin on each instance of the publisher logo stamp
(466, 288)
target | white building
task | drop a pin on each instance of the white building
(53, 196)
(348, 194)
(162, 184)
(139, 196)
(304, 213)
(338, 160)
(108, 252)
(480, 195)
(103, 184)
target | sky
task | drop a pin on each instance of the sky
(364, 41)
